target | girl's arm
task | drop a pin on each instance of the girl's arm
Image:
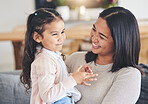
(44, 73)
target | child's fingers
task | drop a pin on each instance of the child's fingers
(90, 79)
(78, 69)
(86, 84)
(89, 67)
(88, 75)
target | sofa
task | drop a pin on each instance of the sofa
(12, 90)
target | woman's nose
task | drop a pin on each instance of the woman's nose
(95, 38)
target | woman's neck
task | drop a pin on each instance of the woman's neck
(102, 60)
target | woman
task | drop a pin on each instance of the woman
(114, 57)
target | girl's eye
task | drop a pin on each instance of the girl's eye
(62, 32)
(54, 34)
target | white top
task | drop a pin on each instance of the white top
(121, 87)
(50, 80)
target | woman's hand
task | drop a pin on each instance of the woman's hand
(81, 76)
(87, 68)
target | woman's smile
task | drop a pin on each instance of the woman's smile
(95, 46)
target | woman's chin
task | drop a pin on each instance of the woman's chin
(94, 51)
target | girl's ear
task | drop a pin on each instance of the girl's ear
(37, 37)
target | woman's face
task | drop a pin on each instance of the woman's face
(54, 36)
(102, 42)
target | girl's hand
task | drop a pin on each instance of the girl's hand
(80, 77)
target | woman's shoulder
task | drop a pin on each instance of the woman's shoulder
(78, 54)
(76, 58)
(129, 71)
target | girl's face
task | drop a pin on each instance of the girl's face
(102, 42)
(54, 35)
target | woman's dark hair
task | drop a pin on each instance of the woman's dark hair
(36, 23)
(125, 33)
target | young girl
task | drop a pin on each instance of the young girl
(43, 65)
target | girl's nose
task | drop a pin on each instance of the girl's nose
(62, 37)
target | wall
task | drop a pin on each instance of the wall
(15, 12)
(12, 13)
(138, 7)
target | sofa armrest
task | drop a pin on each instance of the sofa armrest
(12, 90)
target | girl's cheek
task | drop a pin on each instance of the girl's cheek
(64, 36)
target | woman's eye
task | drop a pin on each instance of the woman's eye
(93, 29)
(101, 37)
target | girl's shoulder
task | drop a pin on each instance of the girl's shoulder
(44, 64)
(44, 57)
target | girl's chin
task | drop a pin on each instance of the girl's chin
(59, 48)
(56, 49)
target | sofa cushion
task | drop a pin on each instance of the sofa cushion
(12, 90)
(143, 99)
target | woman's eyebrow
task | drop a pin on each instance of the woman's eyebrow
(103, 35)
(99, 32)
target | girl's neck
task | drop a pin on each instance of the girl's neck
(104, 60)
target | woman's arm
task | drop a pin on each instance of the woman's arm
(125, 88)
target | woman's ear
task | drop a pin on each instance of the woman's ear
(37, 37)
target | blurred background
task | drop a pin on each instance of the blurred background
(76, 14)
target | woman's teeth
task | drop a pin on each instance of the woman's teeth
(95, 45)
